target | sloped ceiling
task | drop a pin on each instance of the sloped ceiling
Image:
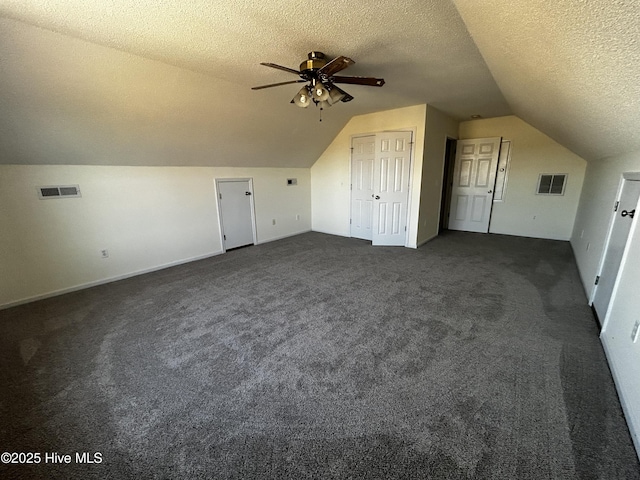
(140, 82)
(569, 68)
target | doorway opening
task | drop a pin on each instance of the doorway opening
(447, 184)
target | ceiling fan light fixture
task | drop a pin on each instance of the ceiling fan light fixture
(302, 98)
(335, 95)
(320, 78)
(320, 92)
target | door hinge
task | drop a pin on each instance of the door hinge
(597, 280)
(220, 196)
(350, 221)
(224, 236)
(615, 207)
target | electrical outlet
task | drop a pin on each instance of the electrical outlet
(104, 253)
(635, 333)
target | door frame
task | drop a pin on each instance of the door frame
(251, 203)
(413, 132)
(635, 176)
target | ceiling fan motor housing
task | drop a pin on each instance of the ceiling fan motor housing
(315, 62)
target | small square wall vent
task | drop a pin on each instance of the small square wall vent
(551, 184)
(58, 191)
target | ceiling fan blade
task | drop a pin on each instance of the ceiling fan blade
(276, 84)
(335, 65)
(369, 81)
(280, 67)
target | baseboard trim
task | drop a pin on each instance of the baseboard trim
(283, 237)
(634, 429)
(586, 285)
(427, 240)
(347, 235)
(104, 281)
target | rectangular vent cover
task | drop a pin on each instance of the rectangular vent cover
(59, 191)
(551, 184)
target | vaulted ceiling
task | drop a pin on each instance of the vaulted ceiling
(140, 82)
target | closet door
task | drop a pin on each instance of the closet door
(235, 200)
(363, 156)
(391, 188)
(618, 236)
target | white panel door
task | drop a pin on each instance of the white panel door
(620, 334)
(623, 216)
(474, 179)
(391, 188)
(235, 199)
(363, 154)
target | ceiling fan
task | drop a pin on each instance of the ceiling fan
(322, 78)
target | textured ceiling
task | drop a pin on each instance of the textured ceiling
(140, 82)
(168, 83)
(569, 68)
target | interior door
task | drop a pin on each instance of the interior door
(473, 185)
(235, 197)
(391, 188)
(362, 161)
(618, 236)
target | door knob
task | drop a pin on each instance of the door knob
(490, 191)
(377, 197)
(247, 193)
(631, 213)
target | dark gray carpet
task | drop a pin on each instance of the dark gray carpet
(321, 357)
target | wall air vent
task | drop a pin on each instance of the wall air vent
(551, 184)
(59, 191)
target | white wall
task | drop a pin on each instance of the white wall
(439, 127)
(594, 214)
(147, 217)
(523, 212)
(588, 241)
(330, 174)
